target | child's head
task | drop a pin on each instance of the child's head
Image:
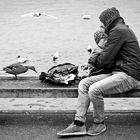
(100, 38)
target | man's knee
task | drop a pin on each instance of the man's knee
(83, 84)
(95, 91)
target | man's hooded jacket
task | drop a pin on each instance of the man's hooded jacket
(122, 51)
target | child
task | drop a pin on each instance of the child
(100, 39)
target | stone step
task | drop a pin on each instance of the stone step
(63, 105)
(31, 87)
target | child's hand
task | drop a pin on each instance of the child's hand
(86, 66)
(96, 50)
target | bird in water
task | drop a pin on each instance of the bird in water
(55, 56)
(22, 59)
(89, 48)
(38, 14)
(17, 69)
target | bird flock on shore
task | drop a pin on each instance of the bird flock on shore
(20, 66)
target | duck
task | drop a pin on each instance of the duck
(22, 59)
(17, 68)
(55, 56)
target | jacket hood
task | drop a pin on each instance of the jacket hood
(109, 15)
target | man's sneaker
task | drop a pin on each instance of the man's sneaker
(73, 130)
(96, 129)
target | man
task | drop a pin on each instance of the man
(122, 55)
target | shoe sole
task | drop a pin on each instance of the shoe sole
(90, 134)
(72, 134)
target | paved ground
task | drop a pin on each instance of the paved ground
(38, 118)
(119, 127)
(23, 105)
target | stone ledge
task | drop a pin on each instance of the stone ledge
(31, 87)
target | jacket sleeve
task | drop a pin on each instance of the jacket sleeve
(92, 58)
(107, 57)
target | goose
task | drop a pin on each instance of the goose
(55, 56)
(17, 69)
(22, 59)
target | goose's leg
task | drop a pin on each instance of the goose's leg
(15, 77)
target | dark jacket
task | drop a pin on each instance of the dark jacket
(121, 52)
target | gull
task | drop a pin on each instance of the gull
(22, 59)
(89, 48)
(56, 55)
(38, 14)
(87, 17)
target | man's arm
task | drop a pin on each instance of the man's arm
(92, 58)
(106, 58)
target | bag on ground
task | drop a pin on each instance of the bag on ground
(60, 74)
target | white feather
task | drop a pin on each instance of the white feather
(89, 48)
(22, 59)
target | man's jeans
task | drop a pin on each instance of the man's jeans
(92, 89)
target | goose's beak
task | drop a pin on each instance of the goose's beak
(32, 68)
(35, 71)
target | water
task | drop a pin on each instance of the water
(39, 37)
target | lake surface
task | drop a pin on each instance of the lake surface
(39, 37)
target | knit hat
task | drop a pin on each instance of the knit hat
(98, 35)
(109, 15)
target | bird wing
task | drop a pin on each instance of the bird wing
(28, 15)
(15, 69)
(13, 65)
(45, 14)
